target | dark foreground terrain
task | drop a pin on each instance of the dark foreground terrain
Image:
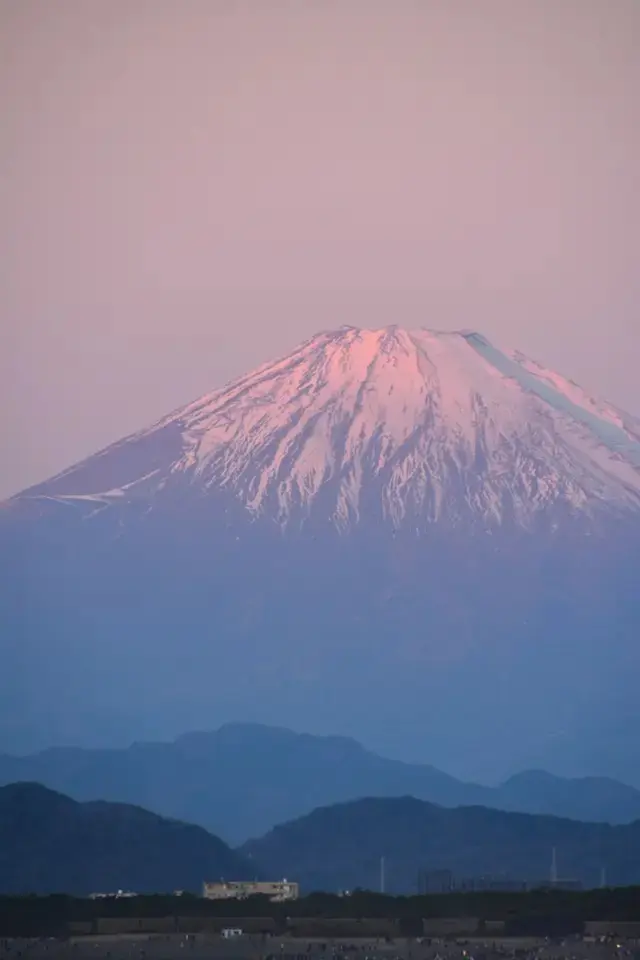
(199, 947)
(364, 918)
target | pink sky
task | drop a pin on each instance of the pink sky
(190, 187)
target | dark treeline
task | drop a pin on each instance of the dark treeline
(538, 912)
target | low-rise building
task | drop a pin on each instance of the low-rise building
(276, 890)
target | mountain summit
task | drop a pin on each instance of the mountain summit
(412, 426)
(409, 537)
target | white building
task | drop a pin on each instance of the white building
(276, 890)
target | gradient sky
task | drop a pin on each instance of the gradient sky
(190, 187)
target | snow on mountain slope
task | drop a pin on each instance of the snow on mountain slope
(424, 425)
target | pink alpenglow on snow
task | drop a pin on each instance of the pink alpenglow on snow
(440, 423)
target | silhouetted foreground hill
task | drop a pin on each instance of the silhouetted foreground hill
(243, 779)
(49, 843)
(340, 847)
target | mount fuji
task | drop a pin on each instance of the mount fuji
(412, 537)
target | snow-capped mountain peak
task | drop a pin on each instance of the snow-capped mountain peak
(410, 424)
(399, 517)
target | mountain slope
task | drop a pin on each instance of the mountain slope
(437, 421)
(585, 798)
(340, 847)
(244, 779)
(383, 523)
(51, 844)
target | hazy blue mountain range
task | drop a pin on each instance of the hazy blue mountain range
(49, 843)
(340, 847)
(244, 779)
(409, 536)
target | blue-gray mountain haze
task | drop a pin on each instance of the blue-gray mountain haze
(244, 779)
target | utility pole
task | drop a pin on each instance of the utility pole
(554, 867)
(381, 874)
(603, 877)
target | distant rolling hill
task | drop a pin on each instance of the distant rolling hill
(243, 779)
(340, 847)
(52, 844)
